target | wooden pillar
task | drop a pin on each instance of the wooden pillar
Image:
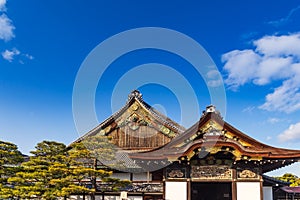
(261, 188)
(233, 185)
(189, 188)
(164, 188)
(233, 191)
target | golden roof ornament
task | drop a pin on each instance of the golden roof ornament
(135, 94)
(211, 109)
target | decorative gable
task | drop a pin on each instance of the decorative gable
(137, 126)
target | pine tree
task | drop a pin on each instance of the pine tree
(88, 155)
(55, 171)
(288, 177)
(10, 158)
(47, 175)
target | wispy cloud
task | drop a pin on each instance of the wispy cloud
(30, 57)
(285, 19)
(6, 28)
(214, 78)
(292, 133)
(249, 109)
(10, 54)
(7, 33)
(272, 58)
(274, 120)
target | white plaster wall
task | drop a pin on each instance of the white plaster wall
(268, 193)
(176, 190)
(248, 190)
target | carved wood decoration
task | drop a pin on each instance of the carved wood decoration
(211, 172)
(247, 173)
(137, 130)
(173, 173)
(146, 187)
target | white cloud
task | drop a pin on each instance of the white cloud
(7, 33)
(2, 5)
(272, 68)
(273, 58)
(241, 66)
(285, 45)
(6, 28)
(10, 54)
(13, 54)
(292, 133)
(214, 78)
(6, 25)
(285, 98)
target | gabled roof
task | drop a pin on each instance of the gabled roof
(212, 134)
(169, 127)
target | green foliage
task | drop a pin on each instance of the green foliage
(56, 170)
(101, 148)
(288, 177)
(47, 175)
(85, 166)
(10, 158)
(87, 159)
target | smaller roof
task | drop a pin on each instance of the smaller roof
(291, 190)
(274, 181)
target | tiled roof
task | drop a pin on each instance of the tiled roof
(275, 181)
(291, 189)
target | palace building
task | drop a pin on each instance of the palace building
(212, 160)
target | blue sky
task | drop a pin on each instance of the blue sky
(254, 44)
